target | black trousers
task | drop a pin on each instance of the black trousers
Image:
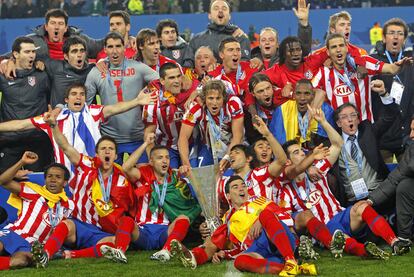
(405, 207)
(12, 151)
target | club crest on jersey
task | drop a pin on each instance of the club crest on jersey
(176, 54)
(4, 233)
(31, 80)
(308, 75)
(342, 90)
(314, 197)
(46, 218)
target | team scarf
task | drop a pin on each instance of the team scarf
(51, 198)
(82, 129)
(97, 195)
(288, 115)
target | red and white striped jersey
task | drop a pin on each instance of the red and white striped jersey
(238, 79)
(143, 191)
(324, 204)
(86, 172)
(68, 124)
(196, 114)
(339, 93)
(34, 221)
(167, 117)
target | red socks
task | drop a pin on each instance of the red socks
(378, 225)
(91, 252)
(123, 233)
(178, 232)
(200, 255)
(276, 233)
(247, 263)
(319, 231)
(56, 239)
(352, 246)
(4, 263)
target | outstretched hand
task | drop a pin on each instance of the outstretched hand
(50, 117)
(317, 114)
(320, 152)
(144, 98)
(302, 12)
(260, 126)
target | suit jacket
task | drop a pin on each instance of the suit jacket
(368, 140)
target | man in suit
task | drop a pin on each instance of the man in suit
(399, 184)
(360, 167)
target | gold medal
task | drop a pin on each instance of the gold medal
(308, 205)
(218, 145)
(106, 207)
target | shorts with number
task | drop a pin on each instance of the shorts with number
(204, 157)
(264, 247)
(151, 237)
(88, 235)
(13, 242)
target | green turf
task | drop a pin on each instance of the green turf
(140, 265)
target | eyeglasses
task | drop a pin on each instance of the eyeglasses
(394, 33)
(348, 116)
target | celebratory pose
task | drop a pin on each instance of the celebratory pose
(40, 210)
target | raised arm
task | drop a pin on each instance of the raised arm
(394, 68)
(16, 125)
(334, 137)
(70, 151)
(129, 168)
(142, 99)
(318, 153)
(6, 179)
(276, 167)
(183, 148)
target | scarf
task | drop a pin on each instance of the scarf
(51, 198)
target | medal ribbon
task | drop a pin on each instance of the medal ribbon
(345, 78)
(106, 191)
(359, 162)
(303, 124)
(391, 62)
(216, 130)
(161, 195)
(307, 188)
(54, 217)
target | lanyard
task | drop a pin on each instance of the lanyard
(157, 67)
(345, 78)
(106, 191)
(391, 62)
(161, 195)
(307, 188)
(54, 217)
(216, 130)
(108, 78)
(359, 162)
(303, 124)
(262, 114)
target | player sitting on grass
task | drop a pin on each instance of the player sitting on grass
(301, 194)
(271, 252)
(40, 210)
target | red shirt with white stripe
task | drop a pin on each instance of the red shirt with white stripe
(34, 221)
(339, 93)
(167, 116)
(143, 191)
(162, 60)
(239, 82)
(86, 173)
(68, 123)
(196, 114)
(324, 204)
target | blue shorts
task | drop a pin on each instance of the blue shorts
(130, 147)
(151, 237)
(175, 160)
(341, 221)
(88, 235)
(204, 157)
(13, 242)
(264, 247)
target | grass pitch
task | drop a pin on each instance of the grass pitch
(140, 265)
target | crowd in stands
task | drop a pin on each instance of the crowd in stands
(297, 142)
(36, 8)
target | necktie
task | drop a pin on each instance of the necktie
(354, 148)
